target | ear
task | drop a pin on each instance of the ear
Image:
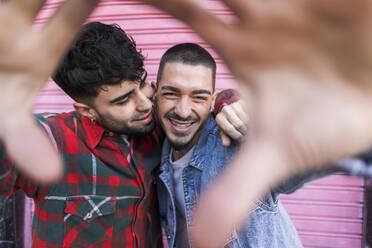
(154, 86)
(85, 110)
(214, 96)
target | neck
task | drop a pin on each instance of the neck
(177, 154)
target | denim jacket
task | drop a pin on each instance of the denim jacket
(268, 226)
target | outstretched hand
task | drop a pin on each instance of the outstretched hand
(305, 67)
(27, 58)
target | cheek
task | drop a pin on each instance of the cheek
(164, 106)
(203, 110)
(148, 91)
(123, 113)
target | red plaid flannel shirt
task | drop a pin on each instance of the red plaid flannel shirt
(107, 197)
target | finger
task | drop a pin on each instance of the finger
(228, 202)
(226, 141)
(200, 20)
(30, 8)
(61, 30)
(227, 128)
(241, 110)
(233, 118)
(35, 156)
(241, 8)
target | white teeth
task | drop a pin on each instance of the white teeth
(183, 125)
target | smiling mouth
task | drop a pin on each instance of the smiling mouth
(181, 126)
(145, 119)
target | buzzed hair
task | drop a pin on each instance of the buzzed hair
(190, 54)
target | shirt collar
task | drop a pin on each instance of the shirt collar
(94, 131)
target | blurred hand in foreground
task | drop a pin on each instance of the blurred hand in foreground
(304, 68)
(27, 58)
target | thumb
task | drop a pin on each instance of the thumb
(226, 141)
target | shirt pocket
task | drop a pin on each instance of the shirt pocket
(88, 220)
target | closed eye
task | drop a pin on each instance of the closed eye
(169, 94)
(123, 102)
(201, 98)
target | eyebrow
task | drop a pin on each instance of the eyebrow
(170, 88)
(117, 99)
(194, 92)
(197, 92)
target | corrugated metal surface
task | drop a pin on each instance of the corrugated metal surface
(153, 31)
(327, 212)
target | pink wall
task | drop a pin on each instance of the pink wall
(327, 212)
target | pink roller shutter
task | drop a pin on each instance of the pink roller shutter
(327, 212)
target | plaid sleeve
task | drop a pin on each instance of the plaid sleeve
(224, 98)
(10, 178)
(8, 173)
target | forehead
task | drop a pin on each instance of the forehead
(185, 76)
(109, 92)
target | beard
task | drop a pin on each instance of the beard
(125, 128)
(183, 141)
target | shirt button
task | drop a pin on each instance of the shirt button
(168, 237)
(89, 215)
(111, 134)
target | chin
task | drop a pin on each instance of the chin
(143, 131)
(179, 145)
(138, 131)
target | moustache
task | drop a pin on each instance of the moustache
(138, 118)
(174, 116)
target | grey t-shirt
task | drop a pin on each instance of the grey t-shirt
(181, 240)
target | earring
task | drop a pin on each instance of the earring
(93, 120)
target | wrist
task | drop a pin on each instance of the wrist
(14, 121)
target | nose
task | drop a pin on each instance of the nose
(183, 107)
(144, 99)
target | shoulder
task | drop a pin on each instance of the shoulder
(212, 133)
(56, 118)
(57, 124)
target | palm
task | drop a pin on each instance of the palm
(305, 68)
(28, 58)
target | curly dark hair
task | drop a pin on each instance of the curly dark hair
(101, 55)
